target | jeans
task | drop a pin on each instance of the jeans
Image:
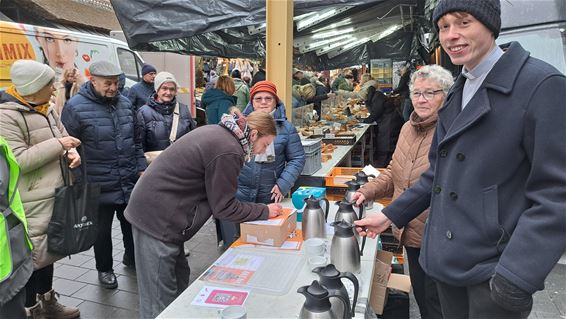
(103, 244)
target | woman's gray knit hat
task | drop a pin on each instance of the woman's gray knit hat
(488, 12)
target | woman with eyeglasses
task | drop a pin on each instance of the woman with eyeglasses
(428, 88)
(267, 177)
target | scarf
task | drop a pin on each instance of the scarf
(42, 108)
(240, 129)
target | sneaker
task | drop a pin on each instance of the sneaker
(52, 309)
(107, 279)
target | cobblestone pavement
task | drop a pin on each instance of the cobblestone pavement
(77, 283)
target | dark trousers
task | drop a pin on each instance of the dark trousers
(424, 287)
(472, 303)
(40, 282)
(103, 244)
(14, 308)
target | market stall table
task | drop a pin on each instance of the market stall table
(260, 304)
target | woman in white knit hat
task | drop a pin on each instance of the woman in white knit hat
(38, 140)
(162, 114)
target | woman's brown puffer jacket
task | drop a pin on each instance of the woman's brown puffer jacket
(409, 161)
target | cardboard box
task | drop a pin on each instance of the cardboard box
(383, 279)
(271, 232)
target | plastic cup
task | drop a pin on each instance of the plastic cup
(234, 312)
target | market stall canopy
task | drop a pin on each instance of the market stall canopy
(236, 28)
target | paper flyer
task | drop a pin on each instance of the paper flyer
(233, 269)
(220, 297)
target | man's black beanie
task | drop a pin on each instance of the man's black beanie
(488, 12)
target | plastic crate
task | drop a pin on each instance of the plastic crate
(337, 140)
(313, 158)
(310, 145)
(339, 175)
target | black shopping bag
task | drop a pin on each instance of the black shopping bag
(73, 225)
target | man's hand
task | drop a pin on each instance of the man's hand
(276, 195)
(274, 210)
(74, 158)
(372, 225)
(358, 198)
(69, 142)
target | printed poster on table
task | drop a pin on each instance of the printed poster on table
(220, 297)
(233, 268)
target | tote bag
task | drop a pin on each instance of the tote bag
(73, 225)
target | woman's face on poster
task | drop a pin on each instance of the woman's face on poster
(59, 49)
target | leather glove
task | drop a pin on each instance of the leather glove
(508, 296)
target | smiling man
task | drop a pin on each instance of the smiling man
(496, 180)
(104, 120)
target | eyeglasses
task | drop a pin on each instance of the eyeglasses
(267, 99)
(428, 95)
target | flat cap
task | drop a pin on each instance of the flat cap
(104, 68)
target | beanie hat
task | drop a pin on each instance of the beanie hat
(264, 86)
(148, 68)
(488, 12)
(29, 76)
(236, 74)
(163, 77)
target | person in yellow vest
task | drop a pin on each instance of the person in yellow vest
(16, 264)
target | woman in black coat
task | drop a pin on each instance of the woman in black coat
(384, 111)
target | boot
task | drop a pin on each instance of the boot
(34, 312)
(53, 309)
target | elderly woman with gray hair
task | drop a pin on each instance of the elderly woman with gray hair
(429, 87)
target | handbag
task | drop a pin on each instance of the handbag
(152, 155)
(73, 225)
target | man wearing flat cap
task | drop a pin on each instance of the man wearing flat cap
(496, 182)
(103, 120)
(140, 92)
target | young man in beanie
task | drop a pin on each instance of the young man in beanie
(140, 92)
(496, 180)
(104, 120)
(38, 141)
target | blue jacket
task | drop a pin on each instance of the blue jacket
(216, 102)
(154, 122)
(257, 179)
(496, 182)
(105, 127)
(140, 93)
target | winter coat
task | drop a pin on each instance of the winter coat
(194, 178)
(409, 161)
(154, 123)
(34, 140)
(242, 93)
(257, 179)
(495, 186)
(140, 93)
(216, 102)
(383, 111)
(16, 265)
(321, 93)
(105, 127)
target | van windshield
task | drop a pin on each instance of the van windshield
(547, 43)
(129, 64)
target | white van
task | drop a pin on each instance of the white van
(63, 49)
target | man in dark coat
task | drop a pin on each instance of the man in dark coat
(103, 120)
(140, 92)
(496, 180)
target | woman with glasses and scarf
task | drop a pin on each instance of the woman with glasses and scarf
(268, 176)
(428, 87)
